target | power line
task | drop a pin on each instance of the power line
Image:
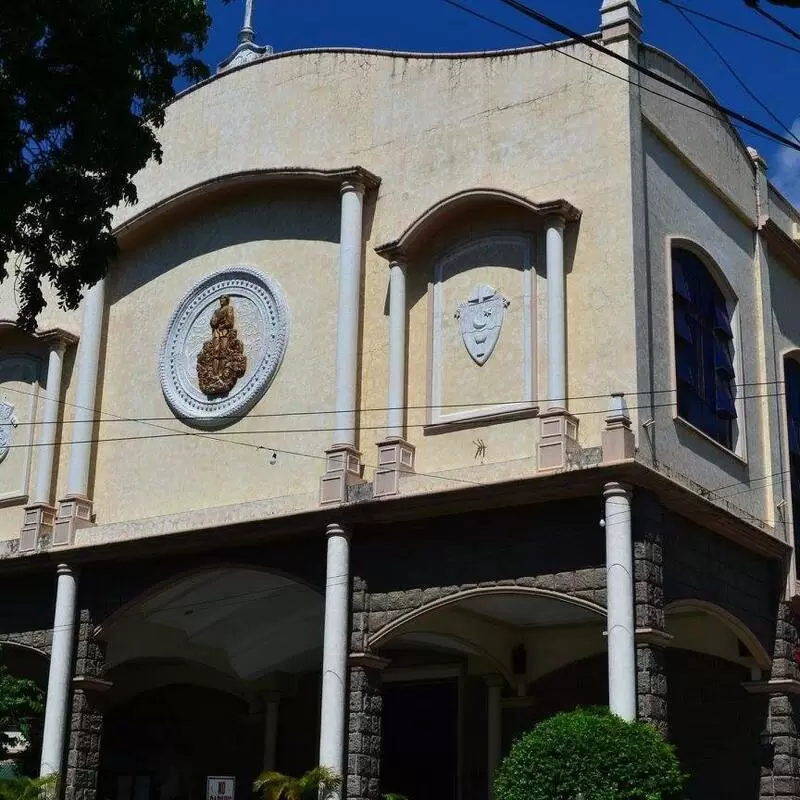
(544, 401)
(542, 19)
(733, 72)
(555, 48)
(171, 433)
(726, 24)
(755, 4)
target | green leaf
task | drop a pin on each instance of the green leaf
(591, 754)
(83, 89)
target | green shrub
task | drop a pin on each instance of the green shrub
(589, 754)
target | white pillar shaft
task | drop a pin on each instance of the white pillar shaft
(350, 255)
(270, 734)
(397, 348)
(494, 731)
(335, 649)
(58, 685)
(47, 435)
(85, 412)
(556, 317)
(621, 620)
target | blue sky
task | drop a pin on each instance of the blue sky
(771, 72)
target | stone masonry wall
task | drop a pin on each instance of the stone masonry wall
(648, 554)
(86, 718)
(364, 734)
(780, 772)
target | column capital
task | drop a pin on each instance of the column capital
(557, 221)
(352, 185)
(64, 569)
(494, 681)
(335, 529)
(368, 661)
(399, 260)
(614, 489)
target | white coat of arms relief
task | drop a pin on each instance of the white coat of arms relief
(481, 319)
(8, 422)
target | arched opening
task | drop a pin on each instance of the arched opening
(706, 358)
(24, 740)
(213, 674)
(464, 680)
(713, 721)
(791, 378)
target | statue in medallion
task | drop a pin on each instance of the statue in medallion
(222, 361)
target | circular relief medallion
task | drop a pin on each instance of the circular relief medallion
(224, 345)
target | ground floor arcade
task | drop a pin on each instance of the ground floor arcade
(223, 662)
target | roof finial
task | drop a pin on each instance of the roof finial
(247, 50)
(246, 34)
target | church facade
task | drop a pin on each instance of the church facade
(430, 395)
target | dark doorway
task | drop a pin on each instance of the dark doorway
(420, 740)
(166, 743)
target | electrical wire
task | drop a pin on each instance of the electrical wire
(555, 48)
(756, 6)
(764, 107)
(731, 26)
(588, 42)
(359, 410)
(170, 433)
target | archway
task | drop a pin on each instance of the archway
(462, 681)
(210, 673)
(24, 751)
(713, 721)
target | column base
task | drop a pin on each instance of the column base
(343, 468)
(395, 459)
(618, 441)
(558, 439)
(74, 513)
(37, 527)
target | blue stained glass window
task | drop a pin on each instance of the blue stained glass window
(703, 349)
(791, 376)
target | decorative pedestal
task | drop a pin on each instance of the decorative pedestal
(618, 440)
(395, 458)
(74, 513)
(342, 469)
(559, 438)
(37, 527)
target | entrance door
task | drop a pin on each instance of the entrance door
(420, 740)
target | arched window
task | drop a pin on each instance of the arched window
(703, 349)
(791, 377)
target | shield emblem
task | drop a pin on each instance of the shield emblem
(481, 319)
(7, 424)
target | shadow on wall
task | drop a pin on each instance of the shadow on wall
(274, 214)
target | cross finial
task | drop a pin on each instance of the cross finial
(247, 50)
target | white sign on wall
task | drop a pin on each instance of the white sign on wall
(221, 788)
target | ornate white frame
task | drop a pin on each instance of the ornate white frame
(437, 415)
(30, 369)
(187, 401)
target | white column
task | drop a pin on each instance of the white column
(556, 315)
(397, 348)
(619, 583)
(494, 698)
(56, 712)
(335, 649)
(271, 707)
(350, 256)
(85, 412)
(47, 436)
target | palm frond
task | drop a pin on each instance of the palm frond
(276, 786)
(320, 782)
